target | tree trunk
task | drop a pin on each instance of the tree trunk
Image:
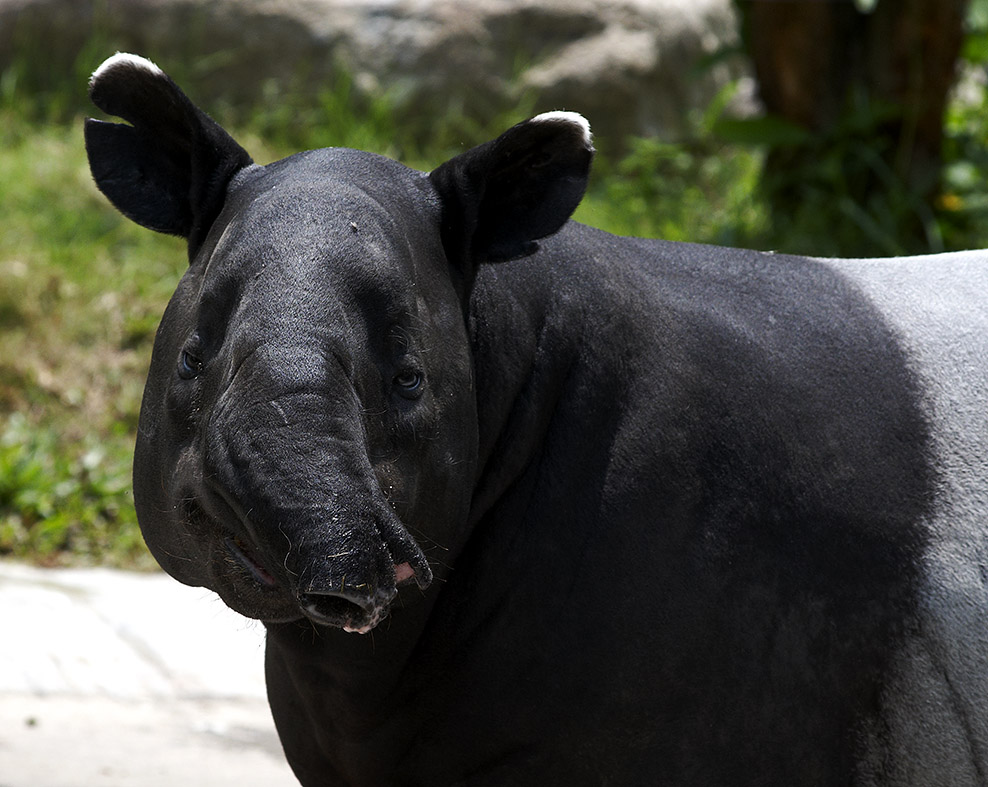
(879, 79)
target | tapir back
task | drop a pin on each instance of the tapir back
(934, 728)
(769, 473)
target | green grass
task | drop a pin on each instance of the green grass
(83, 288)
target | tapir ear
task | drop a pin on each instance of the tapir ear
(499, 198)
(169, 169)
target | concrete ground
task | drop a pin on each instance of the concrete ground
(113, 679)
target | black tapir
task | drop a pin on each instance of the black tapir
(524, 503)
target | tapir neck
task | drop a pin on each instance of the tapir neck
(359, 687)
(525, 348)
(359, 670)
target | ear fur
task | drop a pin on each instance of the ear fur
(501, 197)
(168, 170)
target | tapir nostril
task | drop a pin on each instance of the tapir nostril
(346, 610)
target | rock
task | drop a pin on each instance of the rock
(631, 66)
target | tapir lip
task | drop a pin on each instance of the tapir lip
(245, 556)
(239, 542)
(230, 566)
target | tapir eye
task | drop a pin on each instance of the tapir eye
(408, 383)
(189, 365)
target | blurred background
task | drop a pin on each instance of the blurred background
(822, 127)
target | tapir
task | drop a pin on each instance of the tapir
(520, 502)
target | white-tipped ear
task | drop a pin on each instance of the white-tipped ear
(167, 168)
(571, 118)
(123, 60)
(501, 197)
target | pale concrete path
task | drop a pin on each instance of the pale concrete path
(113, 679)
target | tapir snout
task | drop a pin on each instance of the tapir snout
(289, 486)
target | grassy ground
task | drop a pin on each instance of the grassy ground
(82, 288)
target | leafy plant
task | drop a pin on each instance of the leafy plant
(963, 202)
(698, 189)
(61, 501)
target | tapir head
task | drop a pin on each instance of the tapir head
(308, 435)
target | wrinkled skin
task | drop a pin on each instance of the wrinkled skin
(259, 347)
(523, 503)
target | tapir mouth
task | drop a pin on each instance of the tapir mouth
(350, 612)
(245, 557)
(352, 590)
(350, 587)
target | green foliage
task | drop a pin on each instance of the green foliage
(59, 501)
(859, 188)
(341, 115)
(699, 189)
(338, 117)
(963, 201)
(834, 193)
(82, 289)
(45, 85)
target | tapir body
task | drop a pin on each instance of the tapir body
(522, 502)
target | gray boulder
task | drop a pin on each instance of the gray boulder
(631, 66)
